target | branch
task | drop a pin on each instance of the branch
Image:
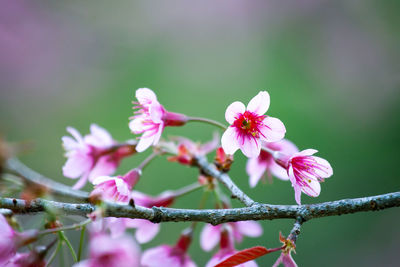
(213, 216)
(224, 178)
(54, 188)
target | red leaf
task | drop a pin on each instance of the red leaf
(243, 256)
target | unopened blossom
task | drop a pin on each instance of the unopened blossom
(306, 172)
(186, 149)
(106, 251)
(249, 126)
(286, 257)
(151, 118)
(265, 163)
(93, 155)
(169, 256)
(11, 240)
(116, 188)
(223, 161)
(210, 235)
(226, 250)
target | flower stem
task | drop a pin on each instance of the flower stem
(81, 242)
(53, 255)
(69, 227)
(187, 189)
(209, 121)
(147, 160)
(66, 240)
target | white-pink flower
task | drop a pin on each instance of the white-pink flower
(256, 167)
(151, 118)
(286, 259)
(11, 240)
(169, 256)
(306, 172)
(109, 252)
(91, 156)
(210, 235)
(116, 188)
(226, 250)
(249, 126)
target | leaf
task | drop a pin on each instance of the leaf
(243, 256)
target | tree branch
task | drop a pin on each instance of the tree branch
(224, 178)
(213, 216)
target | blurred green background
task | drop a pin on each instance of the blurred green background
(331, 68)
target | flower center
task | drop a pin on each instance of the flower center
(249, 123)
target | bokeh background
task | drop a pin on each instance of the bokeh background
(331, 68)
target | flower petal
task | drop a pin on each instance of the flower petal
(260, 103)
(145, 96)
(251, 147)
(106, 165)
(326, 170)
(75, 134)
(145, 230)
(209, 237)
(314, 188)
(249, 228)
(273, 129)
(255, 169)
(101, 179)
(278, 171)
(233, 110)
(98, 137)
(229, 141)
(145, 142)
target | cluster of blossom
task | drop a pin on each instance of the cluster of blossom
(96, 156)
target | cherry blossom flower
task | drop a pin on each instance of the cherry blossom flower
(186, 149)
(32, 259)
(116, 188)
(306, 172)
(210, 235)
(286, 258)
(109, 252)
(223, 161)
(227, 249)
(249, 126)
(96, 154)
(169, 256)
(11, 240)
(151, 118)
(265, 162)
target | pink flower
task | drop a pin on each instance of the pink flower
(109, 252)
(32, 259)
(186, 149)
(93, 155)
(169, 256)
(116, 188)
(286, 259)
(151, 118)
(227, 249)
(10, 240)
(265, 162)
(210, 235)
(249, 126)
(306, 172)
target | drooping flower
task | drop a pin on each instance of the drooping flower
(11, 240)
(116, 188)
(109, 252)
(169, 256)
(265, 162)
(96, 154)
(210, 235)
(151, 118)
(186, 149)
(286, 255)
(226, 250)
(249, 126)
(306, 172)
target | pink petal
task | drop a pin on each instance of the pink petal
(314, 190)
(307, 152)
(229, 141)
(81, 183)
(99, 137)
(69, 143)
(297, 194)
(249, 228)
(156, 112)
(260, 103)
(145, 96)
(75, 134)
(137, 125)
(288, 261)
(104, 166)
(122, 187)
(278, 171)
(145, 230)
(145, 142)
(255, 169)
(76, 165)
(210, 146)
(101, 179)
(274, 130)
(233, 110)
(284, 146)
(326, 171)
(209, 237)
(251, 147)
